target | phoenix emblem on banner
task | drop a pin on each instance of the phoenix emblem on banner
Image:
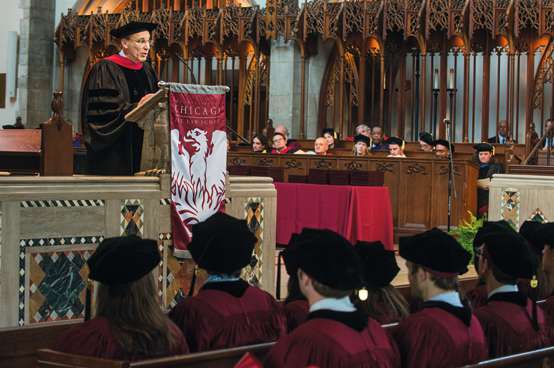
(197, 192)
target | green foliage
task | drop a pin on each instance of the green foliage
(466, 231)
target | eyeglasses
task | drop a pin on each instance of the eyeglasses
(142, 42)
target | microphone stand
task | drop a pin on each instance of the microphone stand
(186, 64)
(451, 184)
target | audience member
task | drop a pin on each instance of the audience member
(511, 322)
(321, 147)
(547, 238)
(487, 168)
(259, 144)
(383, 302)
(129, 322)
(444, 333)
(296, 305)
(378, 139)
(477, 297)
(336, 333)
(331, 136)
(292, 145)
(227, 312)
(362, 143)
(442, 148)
(363, 129)
(426, 142)
(280, 146)
(549, 131)
(503, 135)
(18, 124)
(396, 147)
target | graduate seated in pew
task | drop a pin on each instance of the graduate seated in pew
(336, 334)
(396, 147)
(129, 322)
(547, 234)
(227, 311)
(511, 321)
(534, 232)
(362, 145)
(444, 333)
(383, 302)
(426, 142)
(331, 136)
(296, 305)
(477, 297)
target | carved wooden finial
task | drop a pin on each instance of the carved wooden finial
(57, 109)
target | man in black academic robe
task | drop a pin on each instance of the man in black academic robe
(487, 168)
(115, 86)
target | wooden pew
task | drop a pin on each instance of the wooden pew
(225, 358)
(19, 345)
(417, 186)
(534, 358)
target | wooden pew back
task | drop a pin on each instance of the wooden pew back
(20, 344)
(529, 359)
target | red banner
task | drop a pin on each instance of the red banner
(198, 157)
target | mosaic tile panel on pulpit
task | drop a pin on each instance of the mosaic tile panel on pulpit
(53, 274)
(254, 215)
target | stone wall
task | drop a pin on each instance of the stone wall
(36, 60)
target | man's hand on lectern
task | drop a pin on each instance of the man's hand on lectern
(145, 98)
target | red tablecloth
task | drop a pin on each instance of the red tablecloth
(357, 213)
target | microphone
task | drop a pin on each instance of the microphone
(446, 121)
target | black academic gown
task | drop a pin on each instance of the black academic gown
(110, 91)
(486, 171)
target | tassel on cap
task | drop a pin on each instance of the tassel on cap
(193, 281)
(278, 277)
(534, 283)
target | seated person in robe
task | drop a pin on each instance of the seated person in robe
(396, 147)
(295, 305)
(259, 143)
(336, 334)
(547, 238)
(292, 144)
(362, 143)
(426, 142)
(511, 321)
(331, 136)
(378, 142)
(442, 148)
(115, 86)
(444, 333)
(487, 168)
(503, 136)
(227, 312)
(533, 231)
(321, 148)
(129, 323)
(477, 297)
(383, 302)
(280, 146)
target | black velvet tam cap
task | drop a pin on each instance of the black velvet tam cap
(491, 227)
(330, 259)
(511, 254)
(395, 140)
(222, 244)
(379, 265)
(361, 138)
(132, 28)
(436, 251)
(547, 234)
(290, 254)
(532, 232)
(483, 147)
(442, 142)
(123, 260)
(426, 137)
(331, 132)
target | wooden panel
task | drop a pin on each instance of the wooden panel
(414, 205)
(20, 140)
(417, 187)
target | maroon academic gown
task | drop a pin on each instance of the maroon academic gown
(507, 323)
(441, 335)
(95, 338)
(477, 297)
(296, 312)
(548, 308)
(229, 314)
(335, 340)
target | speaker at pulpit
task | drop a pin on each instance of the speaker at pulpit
(152, 117)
